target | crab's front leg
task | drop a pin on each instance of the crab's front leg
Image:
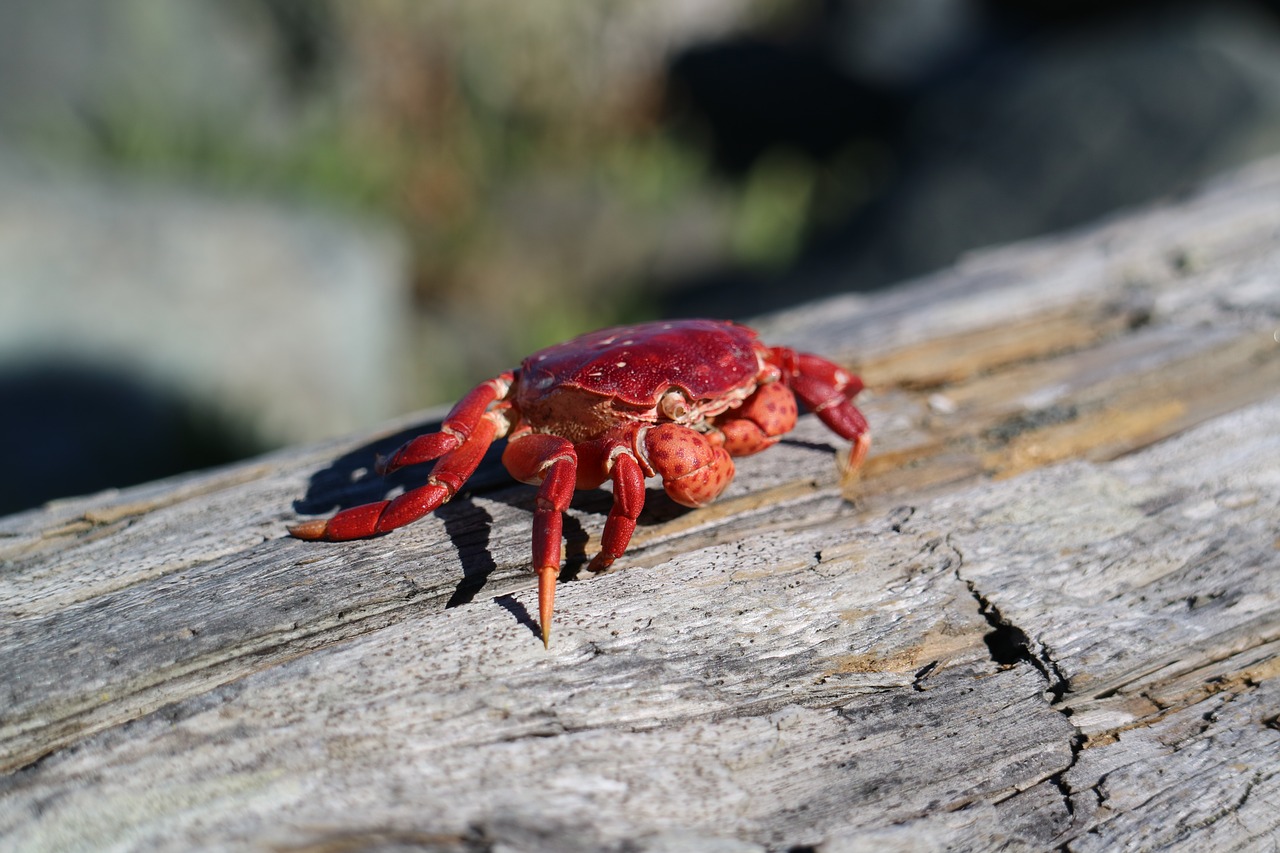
(551, 462)
(456, 428)
(464, 436)
(446, 478)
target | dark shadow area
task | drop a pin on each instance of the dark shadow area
(1007, 644)
(919, 132)
(516, 609)
(820, 446)
(71, 429)
(752, 94)
(468, 527)
(575, 544)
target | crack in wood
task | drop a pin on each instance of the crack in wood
(1010, 645)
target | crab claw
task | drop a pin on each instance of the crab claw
(762, 419)
(694, 469)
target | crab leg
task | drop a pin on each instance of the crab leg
(827, 389)
(455, 429)
(551, 461)
(446, 479)
(628, 500)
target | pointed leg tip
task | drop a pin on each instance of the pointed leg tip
(309, 530)
(857, 455)
(863, 447)
(547, 576)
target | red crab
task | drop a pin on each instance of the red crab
(670, 399)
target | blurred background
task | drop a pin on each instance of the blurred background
(230, 225)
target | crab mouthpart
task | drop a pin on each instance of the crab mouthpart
(674, 406)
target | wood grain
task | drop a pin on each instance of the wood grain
(1046, 615)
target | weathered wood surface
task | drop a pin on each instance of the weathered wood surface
(1049, 617)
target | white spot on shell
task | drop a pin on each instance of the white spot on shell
(621, 364)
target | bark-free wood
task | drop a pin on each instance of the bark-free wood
(1047, 615)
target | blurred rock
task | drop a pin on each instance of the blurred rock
(1016, 125)
(286, 321)
(1064, 127)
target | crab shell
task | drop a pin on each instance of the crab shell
(684, 372)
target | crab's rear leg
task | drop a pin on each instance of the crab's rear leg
(445, 480)
(551, 461)
(828, 390)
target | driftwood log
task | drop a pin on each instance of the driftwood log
(1046, 616)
